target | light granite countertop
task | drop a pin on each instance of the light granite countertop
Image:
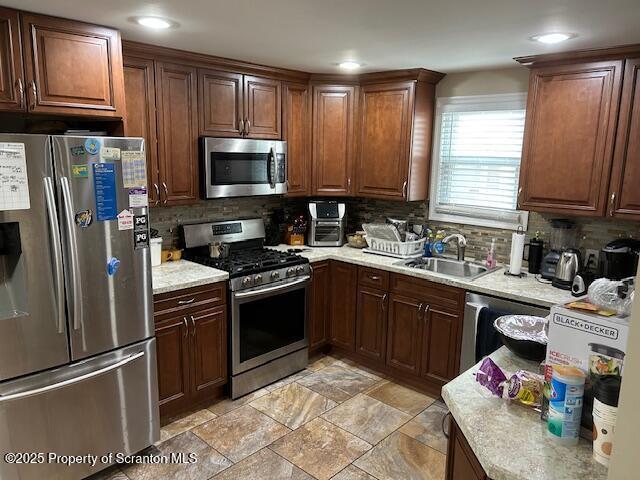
(526, 289)
(511, 441)
(172, 276)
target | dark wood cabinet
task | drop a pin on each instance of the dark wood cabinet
(624, 194)
(462, 463)
(395, 140)
(263, 107)
(439, 338)
(72, 68)
(371, 323)
(12, 81)
(221, 103)
(333, 139)
(191, 337)
(572, 112)
(140, 119)
(177, 120)
(318, 325)
(342, 315)
(297, 133)
(404, 333)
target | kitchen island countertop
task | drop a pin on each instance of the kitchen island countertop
(527, 289)
(510, 441)
(172, 276)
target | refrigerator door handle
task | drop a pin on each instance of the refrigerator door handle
(73, 254)
(54, 225)
(71, 381)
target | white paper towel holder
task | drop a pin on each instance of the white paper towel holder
(519, 231)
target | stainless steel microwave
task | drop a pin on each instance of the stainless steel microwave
(238, 167)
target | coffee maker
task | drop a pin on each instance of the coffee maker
(563, 238)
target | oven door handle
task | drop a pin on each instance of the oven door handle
(275, 289)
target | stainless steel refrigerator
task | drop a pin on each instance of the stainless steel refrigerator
(77, 352)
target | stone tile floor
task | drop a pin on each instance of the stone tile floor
(334, 420)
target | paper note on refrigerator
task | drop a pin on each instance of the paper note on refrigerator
(14, 183)
(134, 169)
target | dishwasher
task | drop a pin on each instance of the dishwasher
(474, 303)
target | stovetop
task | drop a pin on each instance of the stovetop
(248, 261)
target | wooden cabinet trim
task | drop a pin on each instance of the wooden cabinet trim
(269, 111)
(213, 125)
(189, 299)
(297, 133)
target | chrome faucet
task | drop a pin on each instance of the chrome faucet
(461, 243)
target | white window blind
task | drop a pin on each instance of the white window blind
(477, 160)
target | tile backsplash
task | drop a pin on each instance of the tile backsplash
(594, 233)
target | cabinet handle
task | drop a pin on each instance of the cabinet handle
(404, 189)
(157, 189)
(420, 309)
(193, 326)
(375, 278)
(166, 193)
(186, 302)
(247, 124)
(34, 91)
(186, 327)
(612, 204)
(20, 88)
(384, 302)
(241, 126)
(349, 184)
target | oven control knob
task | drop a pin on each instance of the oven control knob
(275, 275)
(246, 281)
(257, 278)
(291, 271)
(299, 269)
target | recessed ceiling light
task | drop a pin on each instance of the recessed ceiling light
(555, 37)
(157, 23)
(349, 65)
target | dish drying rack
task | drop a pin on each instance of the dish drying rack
(384, 239)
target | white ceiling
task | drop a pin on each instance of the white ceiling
(314, 35)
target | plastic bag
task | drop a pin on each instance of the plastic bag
(522, 387)
(614, 295)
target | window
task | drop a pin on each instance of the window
(476, 166)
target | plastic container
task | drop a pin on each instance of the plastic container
(156, 251)
(395, 249)
(565, 403)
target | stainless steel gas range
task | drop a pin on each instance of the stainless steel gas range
(268, 292)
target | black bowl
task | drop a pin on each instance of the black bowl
(524, 335)
(526, 349)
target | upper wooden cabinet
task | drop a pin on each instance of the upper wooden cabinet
(333, 139)
(12, 82)
(72, 68)
(176, 98)
(395, 140)
(140, 120)
(572, 112)
(297, 132)
(624, 194)
(235, 105)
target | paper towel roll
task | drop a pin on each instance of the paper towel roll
(517, 251)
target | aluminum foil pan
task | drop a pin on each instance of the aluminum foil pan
(523, 327)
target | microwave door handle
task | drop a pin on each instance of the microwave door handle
(272, 167)
(54, 226)
(76, 285)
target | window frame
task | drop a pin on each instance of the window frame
(483, 217)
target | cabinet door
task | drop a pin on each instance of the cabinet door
(72, 67)
(297, 133)
(262, 105)
(342, 330)
(569, 132)
(318, 301)
(12, 83)
(140, 120)
(624, 194)
(172, 344)
(208, 352)
(462, 463)
(177, 133)
(371, 323)
(333, 145)
(386, 113)
(220, 103)
(404, 333)
(439, 344)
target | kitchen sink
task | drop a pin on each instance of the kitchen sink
(448, 266)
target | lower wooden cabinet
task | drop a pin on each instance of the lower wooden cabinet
(440, 338)
(371, 323)
(191, 339)
(462, 463)
(342, 311)
(318, 324)
(404, 335)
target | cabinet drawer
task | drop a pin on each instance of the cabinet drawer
(205, 296)
(372, 277)
(450, 298)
